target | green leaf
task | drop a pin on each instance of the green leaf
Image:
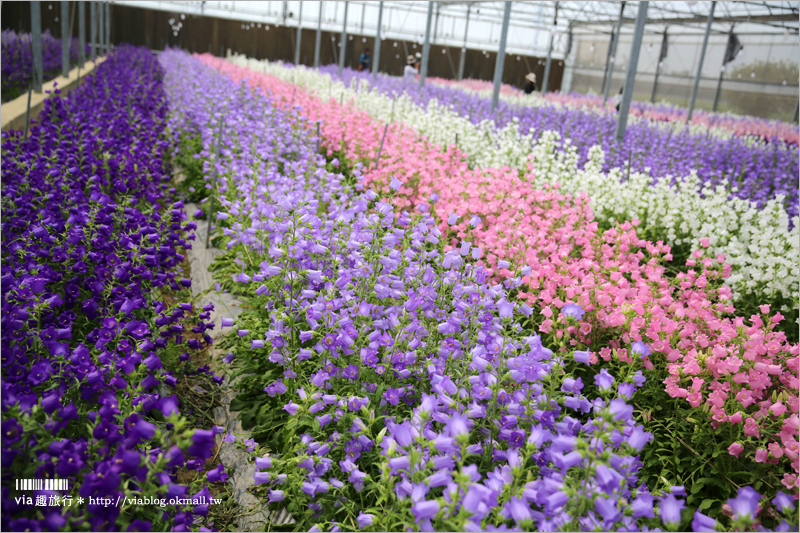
(705, 504)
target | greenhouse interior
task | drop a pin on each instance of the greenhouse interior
(400, 266)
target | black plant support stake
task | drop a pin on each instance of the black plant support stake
(380, 148)
(28, 112)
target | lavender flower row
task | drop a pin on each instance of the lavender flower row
(401, 389)
(92, 328)
(16, 56)
(760, 172)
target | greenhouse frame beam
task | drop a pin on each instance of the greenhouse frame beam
(318, 40)
(344, 39)
(463, 57)
(363, 13)
(299, 35)
(719, 80)
(530, 22)
(698, 19)
(583, 32)
(436, 22)
(608, 57)
(107, 21)
(630, 78)
(101, 29)
(613, 55)
(99, 34)
(700, 63)
(377, 55)
(426, 50)
(65, 38)
(546, 80)
(658, 67)
(93, 28)
(500, 59)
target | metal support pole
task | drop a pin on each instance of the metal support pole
(319, 36)
(81, 34)
(344, 39)
(655, 83)
(546, 80)
(796, 113)
(700, 62)
(363, 12)
(426, 49)
(464, 47)
(36, 45)
(719, 88)
(93, 29)
(721, 75)
(436, 24)
(608, 59)
(101, 30)
(658, 67)
(108, 27)
(569, 60)
(66, 39)
(630, 78)
(377, 54)
(501, 56)
(299, 35)
(613, 55)
(100, 25)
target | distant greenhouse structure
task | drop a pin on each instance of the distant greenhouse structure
(738, 56)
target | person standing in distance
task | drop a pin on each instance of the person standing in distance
(365, 61)
(617, 99)
(411, 71)
(530, 83)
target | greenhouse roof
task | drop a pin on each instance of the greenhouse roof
(478, 24)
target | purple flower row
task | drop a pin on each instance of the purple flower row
(17, 60)
(91, 333)
(760, 171)
(402, 389)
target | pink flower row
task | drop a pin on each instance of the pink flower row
(744, 375)
(476, 85)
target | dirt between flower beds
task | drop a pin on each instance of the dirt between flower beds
(238, 464)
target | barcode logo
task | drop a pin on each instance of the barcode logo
(42, 484)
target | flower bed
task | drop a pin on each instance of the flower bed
(759, 172)
(401, 387)
(17, 60)
(94, 331)
(737, 125)
(757, 243)
(724, 125)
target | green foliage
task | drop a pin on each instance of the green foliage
(187, 157)
(687, 450)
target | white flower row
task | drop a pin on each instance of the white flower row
(757, 243)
